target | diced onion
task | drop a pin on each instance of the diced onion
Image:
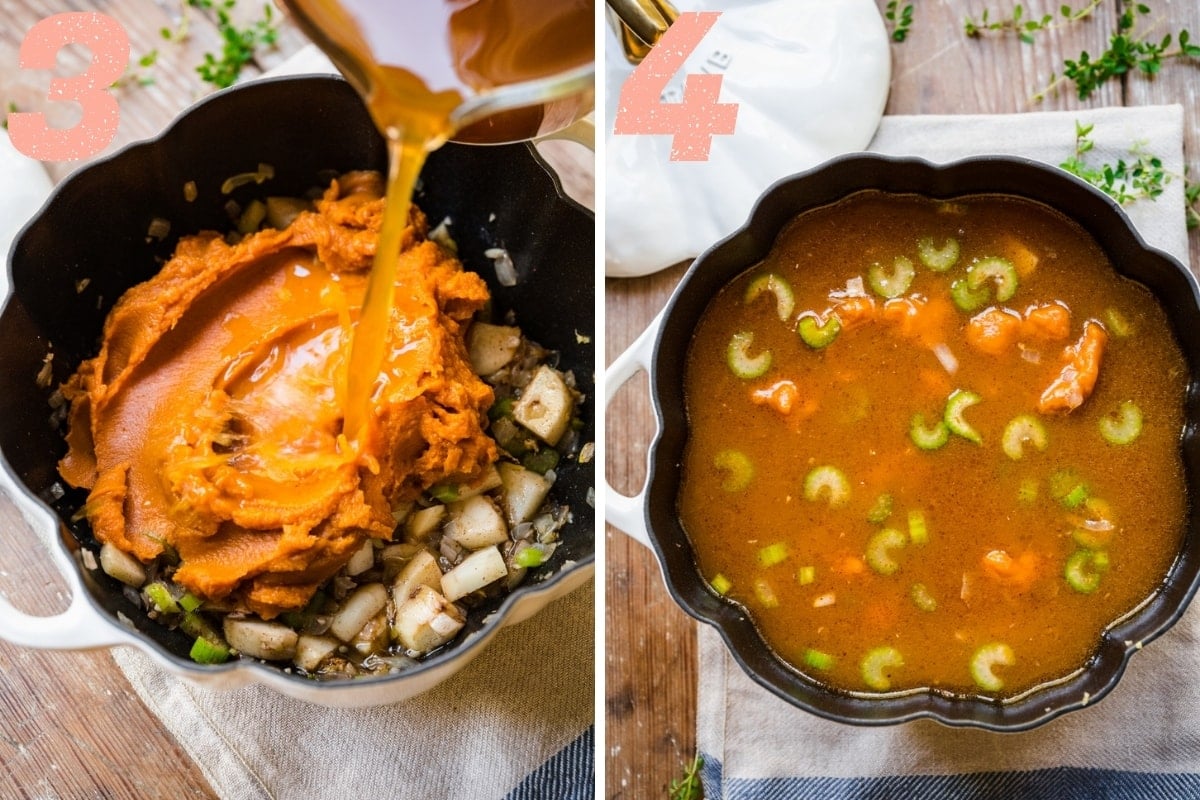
(506, 271)
(946, 358)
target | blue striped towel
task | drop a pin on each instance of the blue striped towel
(1142, 741)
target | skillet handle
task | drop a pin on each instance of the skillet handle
(628, 513)
(81, 626)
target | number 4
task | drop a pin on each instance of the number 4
(109, 45)
(692, 122)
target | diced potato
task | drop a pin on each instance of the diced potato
(311, 651)
(474, 572)
(489, 481)
(374, 636)
(545, 406)
(122, 566)
(476, 523)
(362, 560)
(524, 492)
(491, 347)
(367, 601)
(281, 211)
(424, 522)
(270, 641)
(422, 570)
(427, 621)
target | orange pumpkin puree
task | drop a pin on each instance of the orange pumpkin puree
(210, 422)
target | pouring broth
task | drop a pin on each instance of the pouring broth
(934, 445)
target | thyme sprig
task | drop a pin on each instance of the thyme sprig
(239, 45)
(1025, 27)
(689, 787)
(1126, 52)
(1191, 193)
(138, 73)
(1142, 177)
(901, 19)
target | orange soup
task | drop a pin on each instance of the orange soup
(934, 444)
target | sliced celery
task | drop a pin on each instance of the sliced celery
(785, 300)
(739, 469)
(958, 402)
(879, 550)
(742, 364)
(829, 483)
(1022, 430)
(985, 661)
(891, 284)
(1124, 428)
(817, 333)
(878, 665)
(937, 259)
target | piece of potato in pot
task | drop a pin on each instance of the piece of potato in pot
(362, 560)
(367, 601)
(424, 522)
(311, 651)
(491, 347)
(122, 566)
(545, 406)
(474, 572)
(421, 570)
(427, 620)
(524, 492)
(476, 523)
(270, 641)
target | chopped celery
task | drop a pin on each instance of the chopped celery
(785, 301)
(937, 259)
(922, 598)
(894, 284)
(881, 510)
(985, 661)
(206, 652)
(816, 333)
(1117, 323)
(721, 584)
(1076, 497)
(529, 557)
(818, 659)
(966, 298)
(877, 667)
(828, 482)
(879, 547)
(1095, 529)
(997, 271)
(502, 408)
(1084, 568)
(1066, 483)
(162, 598)
(1027, 492)
(445, 492)
(1125, 427)
(1022, 430)
(918, 533)
(737, 465)
(542, 461)
(737, 356)
(806, 575)
(928, 437)
(189, 602)
(765, 594)
(773, 554)
(958, 402)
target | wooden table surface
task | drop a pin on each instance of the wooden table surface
(70, 724)
(651, 649)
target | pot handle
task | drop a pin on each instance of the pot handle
(629, 513)
(81, 626)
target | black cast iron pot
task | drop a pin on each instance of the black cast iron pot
(94, 228)
(652, 515)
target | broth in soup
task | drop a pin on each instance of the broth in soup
(934, 444)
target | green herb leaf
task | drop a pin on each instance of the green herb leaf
(688, 788)
(901, 19)
(1026, 28)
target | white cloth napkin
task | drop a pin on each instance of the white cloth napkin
(1141, 741)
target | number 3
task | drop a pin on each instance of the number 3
(109, 45)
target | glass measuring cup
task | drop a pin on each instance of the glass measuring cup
(492, 71)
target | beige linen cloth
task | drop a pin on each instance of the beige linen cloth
(1141, 741)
